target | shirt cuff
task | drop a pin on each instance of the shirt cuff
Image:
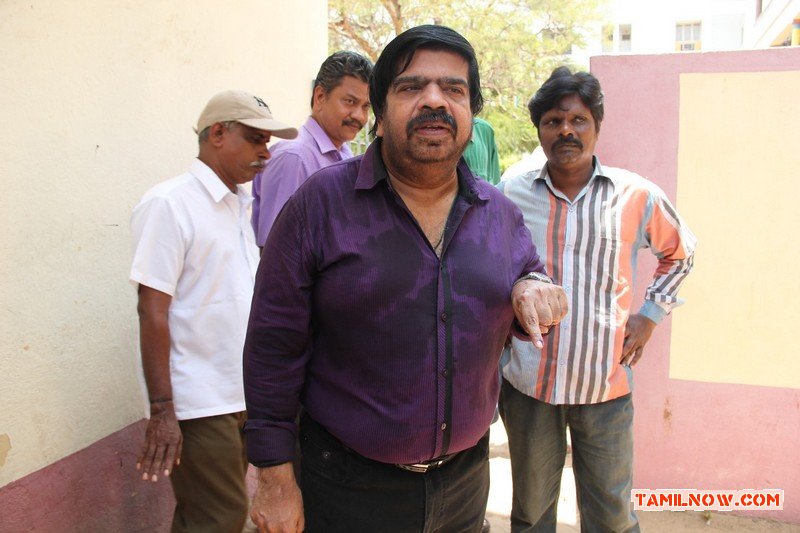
(654, 311)
(269, 444)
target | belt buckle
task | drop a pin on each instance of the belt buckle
(420, 468)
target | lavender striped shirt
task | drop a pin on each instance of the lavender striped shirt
(391, 349)
(290, 164)
(590, 246)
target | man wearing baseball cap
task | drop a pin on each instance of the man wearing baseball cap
(194, 262)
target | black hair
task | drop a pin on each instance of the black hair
(399, 53)
(339, 65)
(562, 82)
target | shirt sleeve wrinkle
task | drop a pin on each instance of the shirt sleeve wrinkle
(159, 245)
(673, 244)
(277, 347)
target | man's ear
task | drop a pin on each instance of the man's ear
(378, 127)
(320, 96)
(216, 134)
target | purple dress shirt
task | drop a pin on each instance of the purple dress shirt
(393, 350)
(290, 165)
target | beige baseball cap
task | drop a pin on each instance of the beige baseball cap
(246, 108)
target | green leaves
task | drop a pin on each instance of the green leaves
(518, 43)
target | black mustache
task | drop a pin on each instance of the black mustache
(563, 141)
(352, 122)
(431, 117)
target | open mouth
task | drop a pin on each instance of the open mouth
(432, 124)
(433, 129)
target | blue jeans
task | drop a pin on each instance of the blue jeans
(602, 459)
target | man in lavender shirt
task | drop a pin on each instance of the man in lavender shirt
(385, 293)
(339, 110)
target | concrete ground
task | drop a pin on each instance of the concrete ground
(499, 506)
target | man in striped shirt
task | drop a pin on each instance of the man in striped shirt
(588, 222)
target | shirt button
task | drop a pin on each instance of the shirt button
(444, 317)
(444, 372)
(444, 426)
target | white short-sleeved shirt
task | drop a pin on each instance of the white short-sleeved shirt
(193, 240)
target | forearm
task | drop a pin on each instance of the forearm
(674, 245)
(278, 342)
(163, 439)
(277, 502)
(154, 339)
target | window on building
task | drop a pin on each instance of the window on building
(624, 37)
(608, 38)
(687, 36)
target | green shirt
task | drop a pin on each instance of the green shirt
(481, 153)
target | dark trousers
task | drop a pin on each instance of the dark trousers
(344, 491)
(209, 484)
(602, 460)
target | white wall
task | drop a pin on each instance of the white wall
(98, 99)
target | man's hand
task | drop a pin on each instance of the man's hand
(538, 306)
(162, 442)
(278, 504)
(637, 333)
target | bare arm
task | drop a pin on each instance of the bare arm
(278, 503)
(163, 439)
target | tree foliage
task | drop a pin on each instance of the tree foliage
(518, 43)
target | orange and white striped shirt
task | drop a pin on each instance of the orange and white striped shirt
(589, 246)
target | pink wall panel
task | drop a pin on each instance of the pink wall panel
(693, 434)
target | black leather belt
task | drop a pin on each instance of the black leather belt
(427, 465)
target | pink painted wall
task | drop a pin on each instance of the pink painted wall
(95, 489)
(692, 434)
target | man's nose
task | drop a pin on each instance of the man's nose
(566, 130)
(433, 97)
(264, 153)
(360, 114)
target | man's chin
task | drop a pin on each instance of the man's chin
(436, 153)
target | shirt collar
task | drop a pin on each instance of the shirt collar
(472, 137)
(597, 173)
(324, 142)
(213, 184)
(373, 171)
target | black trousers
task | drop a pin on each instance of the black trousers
(344, 491)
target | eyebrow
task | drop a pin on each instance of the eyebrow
(445, 80)
(354, 97)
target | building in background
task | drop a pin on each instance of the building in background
(655, 27)
(773, 23)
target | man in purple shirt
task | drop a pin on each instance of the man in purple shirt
(385, 293)
(339, 110)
